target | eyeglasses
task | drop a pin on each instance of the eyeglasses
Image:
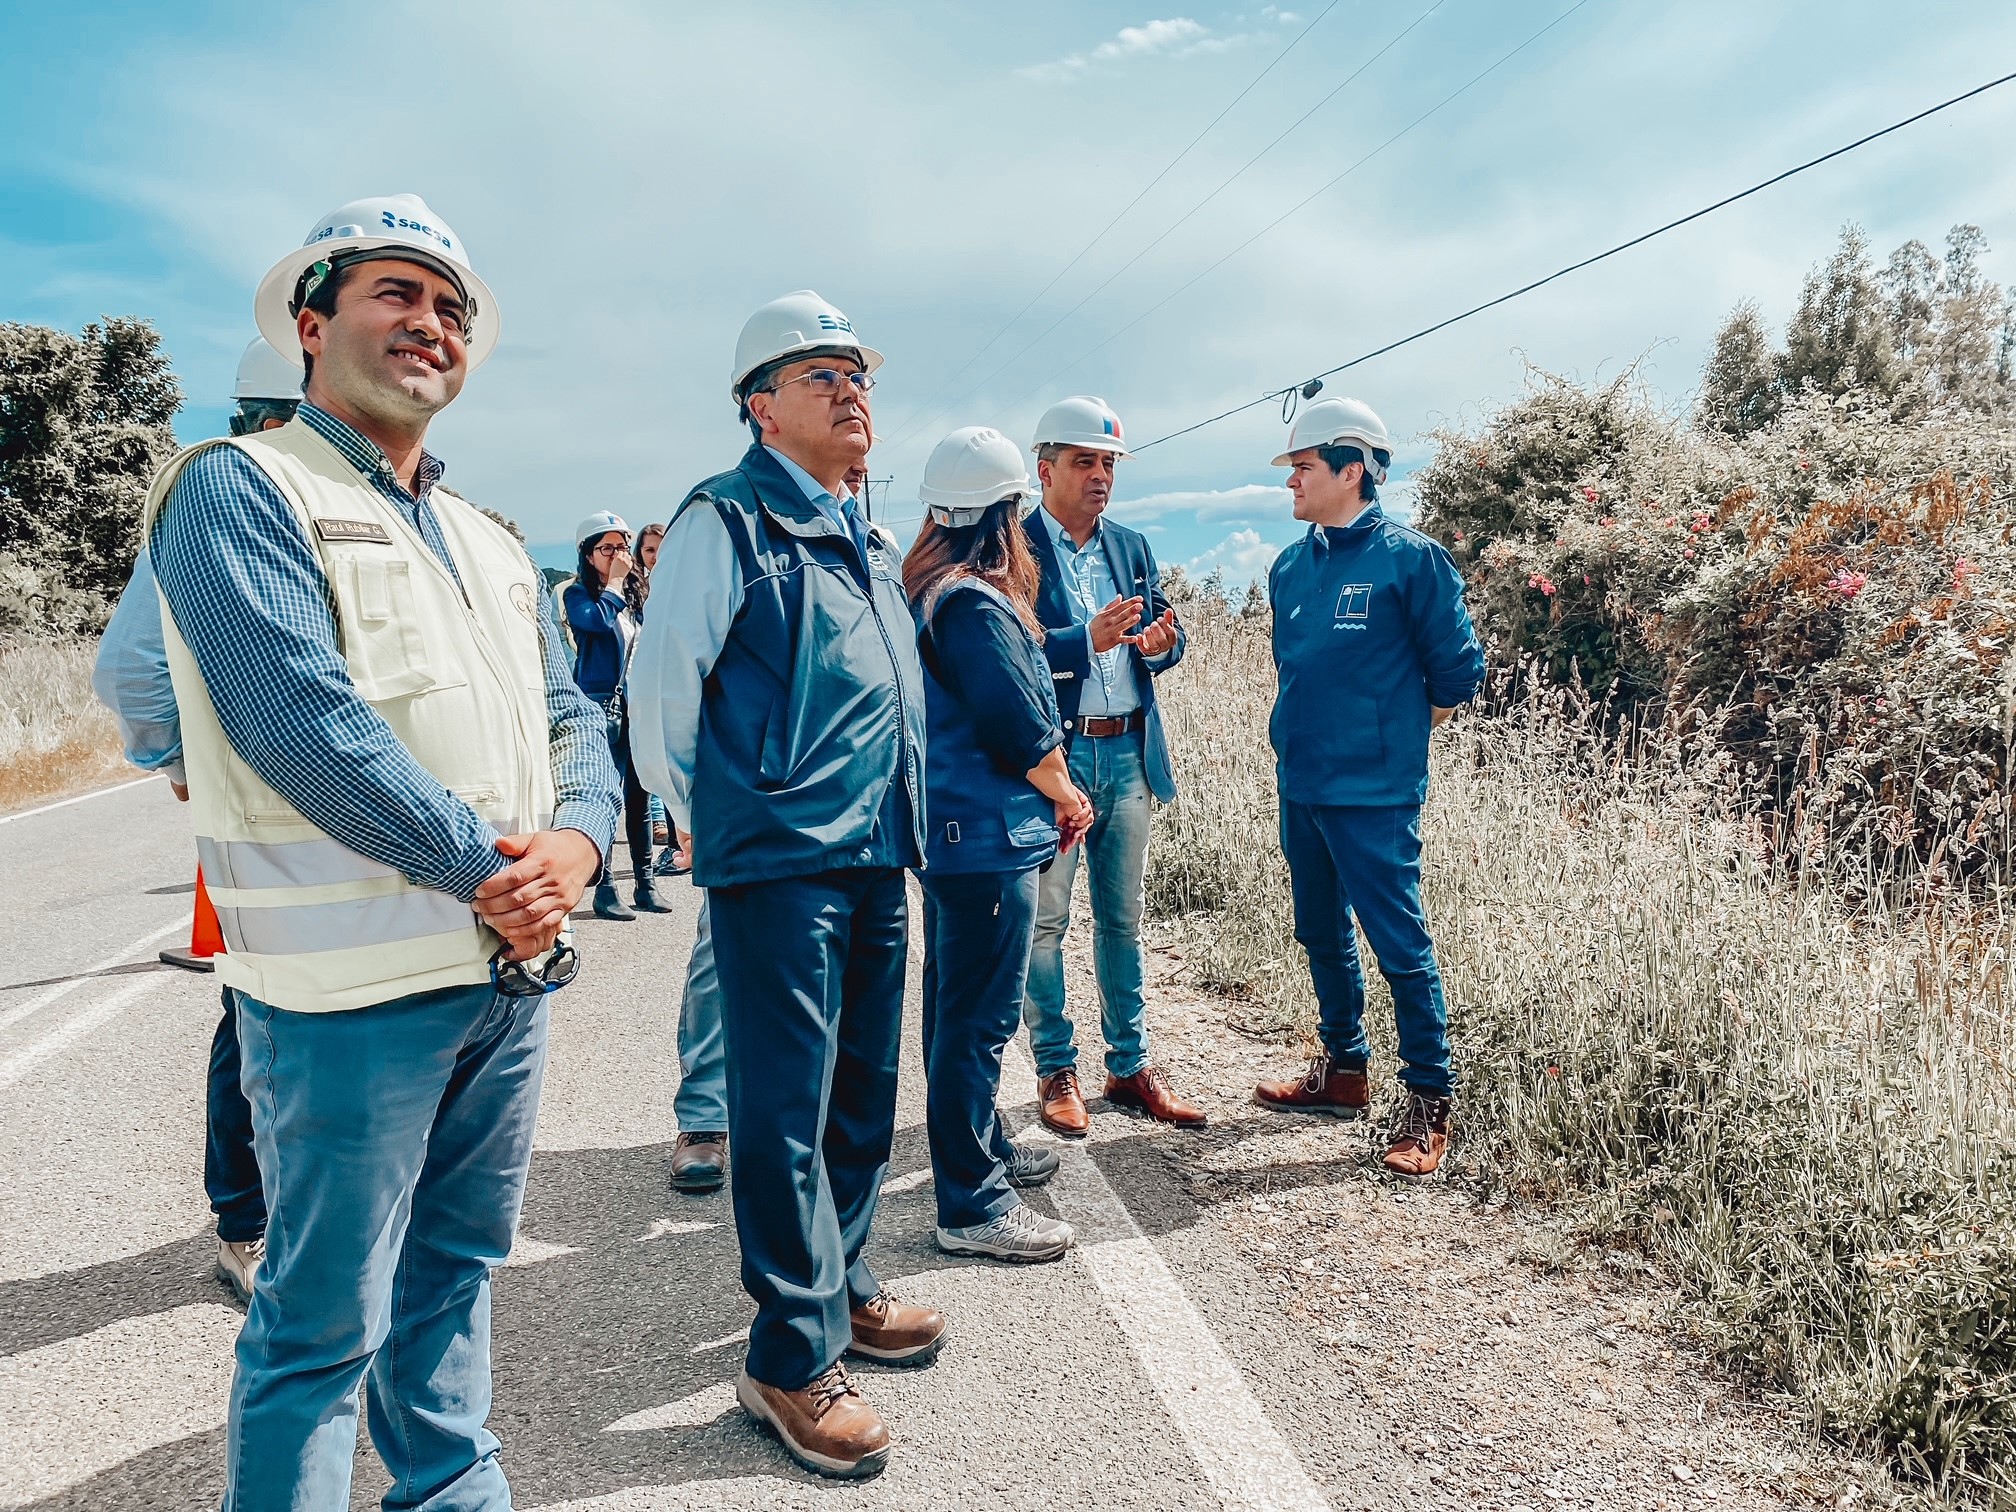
(826, 381)
(610, 551)
(519, 979)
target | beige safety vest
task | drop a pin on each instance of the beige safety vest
(309, 924)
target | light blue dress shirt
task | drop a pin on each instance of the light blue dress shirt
(1114, 687)
(131, 677)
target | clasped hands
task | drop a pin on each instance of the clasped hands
(528, 902)
(1113, 626)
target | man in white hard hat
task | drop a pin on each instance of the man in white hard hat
(1374, 649)
(398, 793)
(779, 712)
(131, 678)
(1109, 633)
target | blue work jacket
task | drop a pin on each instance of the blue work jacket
(1370, 634)
(598, 644)
(811, 735)
(990, 724)
(1067, 644)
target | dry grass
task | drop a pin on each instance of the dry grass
(55, 737)
(1799, 1105)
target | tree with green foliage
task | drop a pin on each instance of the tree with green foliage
(84, 424)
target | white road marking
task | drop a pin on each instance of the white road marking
(525, 1250)
(122, 957)
(908, 1183)
(1249, 1464)
(71, 1410)
(668, 1228)
(35, 1052)
(117, 787)
(740, 1336)
(708, 1405)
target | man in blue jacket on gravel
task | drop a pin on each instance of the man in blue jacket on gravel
(1374, 649)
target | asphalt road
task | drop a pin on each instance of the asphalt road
(1147, 1370)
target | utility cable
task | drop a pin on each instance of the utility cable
(1625, 246)
(1299, 206)
(1169, 168)
(1044, 335)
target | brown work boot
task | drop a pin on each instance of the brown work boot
(1148, 1091)
(894, 1333)
(1420, 1135)
(827, 1426)
(1061, 1105)
(1325, 1087)
(699, 1160)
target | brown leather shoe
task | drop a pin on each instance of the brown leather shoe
(894, 1333)
(1420, 1135)
(827, 1426)
(1061, 1105)
(1148, 1091)
(699, 1160)
(1324, 1088)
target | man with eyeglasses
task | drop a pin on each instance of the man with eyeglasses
(398, 794)
(779, 712)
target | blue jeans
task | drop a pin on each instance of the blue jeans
(701, 1103)
(395, 1141)
(977, 928)
(1110, 771)
(230, 1164)
(812, 1004)
(1367, 862)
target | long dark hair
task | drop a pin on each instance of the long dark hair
(639, 587)
(591, 576)
(995, 551)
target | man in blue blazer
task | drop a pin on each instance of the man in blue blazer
(1109, 634)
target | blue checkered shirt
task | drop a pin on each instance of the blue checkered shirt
(251, 602)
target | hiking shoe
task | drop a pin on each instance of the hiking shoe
(238, 1265)
(699, 1160)
(1021, 1235)
(1420, 1135)
(895, 1333)
(825, 1425)
(1325, 1087)
(1030, 1165)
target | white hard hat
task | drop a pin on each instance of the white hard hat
(1340, 422)
(1082, 420)
(599, 524)
(401, 225)
(969, 472)
(264, 374)
(797, 324)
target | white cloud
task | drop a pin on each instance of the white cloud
(1178, 36)
(1242, 556)
(1247, 501)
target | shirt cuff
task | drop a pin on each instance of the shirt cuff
(471, 872)
(591, 819)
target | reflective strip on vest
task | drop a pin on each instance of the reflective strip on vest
(251, 864)
(306, 928)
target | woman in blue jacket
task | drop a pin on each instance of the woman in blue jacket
(605, 606)
(1000, 802)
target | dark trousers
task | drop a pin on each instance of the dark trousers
(636, 802)
(230, 1165)
(977, 929)
(811, 973)
(1367, 862)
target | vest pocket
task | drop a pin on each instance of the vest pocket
(381, 628)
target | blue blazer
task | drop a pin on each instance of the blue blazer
(1067, 645)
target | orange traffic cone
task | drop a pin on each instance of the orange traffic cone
(206, 936)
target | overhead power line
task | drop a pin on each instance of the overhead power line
(1637, 241)
(915, 425)
(1167, 169)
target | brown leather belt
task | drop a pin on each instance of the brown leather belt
(1097, 725)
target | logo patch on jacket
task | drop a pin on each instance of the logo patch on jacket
(523, 599)
(353, 530)
(1355, 604)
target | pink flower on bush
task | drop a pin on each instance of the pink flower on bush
(1963, 570)
(1589, 494)
(1847, 583)
(1688, 553)
(1541, 581)
(1607, 521)
(1701, 523)
(1459, 535)
(1585, 580)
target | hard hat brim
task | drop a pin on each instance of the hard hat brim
(1086, 443)
(276, 290)
(870, 360)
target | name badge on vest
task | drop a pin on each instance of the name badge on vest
(352, 530)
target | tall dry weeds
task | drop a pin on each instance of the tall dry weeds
(1790, 1087)
(55, 737)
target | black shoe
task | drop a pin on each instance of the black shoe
(609, 906)
(668, 864)
(647, 895)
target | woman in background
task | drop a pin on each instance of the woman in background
(604, 607)
(1001, 801)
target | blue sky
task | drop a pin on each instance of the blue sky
(633, 178)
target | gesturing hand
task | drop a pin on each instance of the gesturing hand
(1110, 625)
(1159, 639)
(528, 902)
